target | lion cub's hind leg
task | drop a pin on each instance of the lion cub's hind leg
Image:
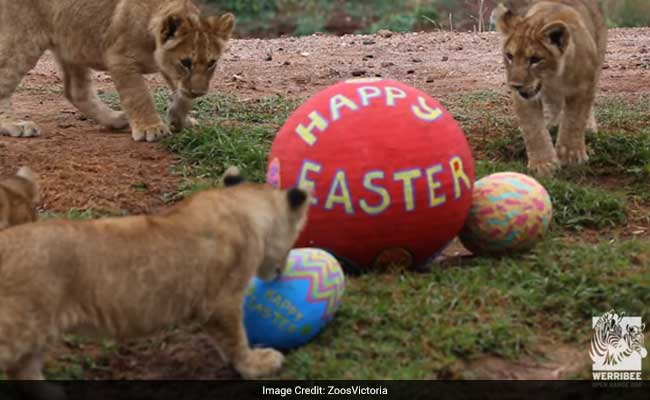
(80, 92)
(18, 55)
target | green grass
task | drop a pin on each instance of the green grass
(233, 132)
(419, 326)
(208, 152)
(620, 148)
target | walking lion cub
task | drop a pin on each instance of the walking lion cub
(127, 38)
(554, 51)
(131, 276)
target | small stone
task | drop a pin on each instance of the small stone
(286, 62)
(369, 42)
(410, 72)
(416, 60)
(445, 58)
(359, 72)
(269, 57)
(387, 64)
(385, 33)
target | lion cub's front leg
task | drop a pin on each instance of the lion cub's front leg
(578, 114)
(542, 159)
(227, 328)
(178, 113)
(137, 102)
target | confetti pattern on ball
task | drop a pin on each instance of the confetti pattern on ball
(510, 212)
(291, 310)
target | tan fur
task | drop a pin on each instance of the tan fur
(554, 51)
(18, 196)
(132, 276)
(127, 38)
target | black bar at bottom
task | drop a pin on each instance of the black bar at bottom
(411, 390)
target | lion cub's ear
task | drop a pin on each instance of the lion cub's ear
(232, 177)
(171, 28)
(297, 198)
(222, 25)
(27, 174)
(506, 19)
(557, 34)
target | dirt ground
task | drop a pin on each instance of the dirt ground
(85, 166)
(82, 165)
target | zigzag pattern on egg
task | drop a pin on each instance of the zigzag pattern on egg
(326, 281)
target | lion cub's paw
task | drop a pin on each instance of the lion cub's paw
(151, 134)
(543, 168)
(178, 125)
(20, 129)
(117, 121)
(260, 362)
(592, 125)
(570, 156)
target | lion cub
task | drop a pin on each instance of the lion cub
(554, 52)
(127, 38)
(18, 196)
(131, 276)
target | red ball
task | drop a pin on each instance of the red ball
(390, 170)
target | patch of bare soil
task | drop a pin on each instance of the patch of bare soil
(552, 363)
(186, 354)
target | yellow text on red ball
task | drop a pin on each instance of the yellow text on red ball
(390, 96)
(340, 195)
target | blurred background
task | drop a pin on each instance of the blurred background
(272, 18)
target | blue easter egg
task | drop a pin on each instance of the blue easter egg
(291, 310)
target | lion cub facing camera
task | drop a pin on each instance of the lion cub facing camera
(130, 276)
(18, 196)
(127, 38)
(554, 51)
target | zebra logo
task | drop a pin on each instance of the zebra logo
(617, 344)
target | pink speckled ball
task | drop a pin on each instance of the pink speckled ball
(510, 212)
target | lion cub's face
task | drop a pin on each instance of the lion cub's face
(287, 217)
(533, 52)
(188, 49)
(292, 207)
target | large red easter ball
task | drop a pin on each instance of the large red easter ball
(390, 171)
